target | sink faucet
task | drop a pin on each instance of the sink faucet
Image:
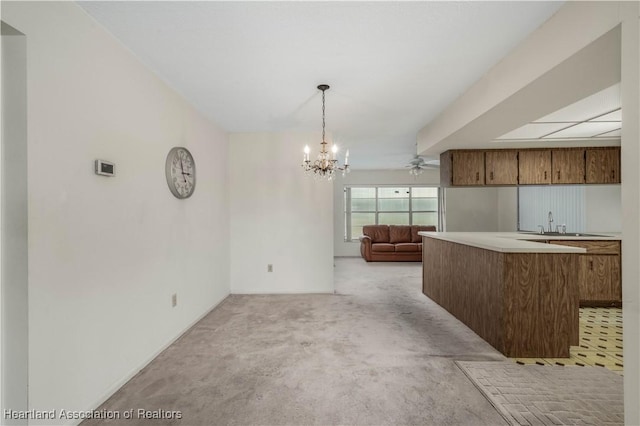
(550, 222)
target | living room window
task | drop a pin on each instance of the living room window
(388, 205)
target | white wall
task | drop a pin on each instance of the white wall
(472, 209)
(106, 254)
(603, 205)
(279, 216)
(14, 265)
(508, 209)
(369, 177)
(630, 194)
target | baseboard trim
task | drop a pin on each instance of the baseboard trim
(120, 383)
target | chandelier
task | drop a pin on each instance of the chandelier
(326, 164)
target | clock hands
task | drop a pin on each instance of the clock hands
(182, 171)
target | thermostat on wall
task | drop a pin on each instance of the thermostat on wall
(105, 168)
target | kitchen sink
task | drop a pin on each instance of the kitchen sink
(559, 234)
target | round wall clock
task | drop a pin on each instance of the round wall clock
(180, 170)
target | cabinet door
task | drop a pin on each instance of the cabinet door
(468, 168)
(603, 165)
(534, 167)
(502, 167)
(600, 278)
(568, 165)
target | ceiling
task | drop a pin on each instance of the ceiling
(392, 66)
(596, 117)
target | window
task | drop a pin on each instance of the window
(388, 205)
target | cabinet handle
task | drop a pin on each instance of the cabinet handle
(491, 175)
(613, 175)
(591, 265)
(558, 174)
(545, 175)
(477, 176)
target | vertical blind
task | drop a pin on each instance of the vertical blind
(567, 203)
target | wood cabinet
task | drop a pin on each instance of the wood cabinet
(534, 167)
(501, 167)
(599, 280)
(568, 165)
(523, 304)
(531, 166)
(599, 274)
(603, 165)
(462, 168)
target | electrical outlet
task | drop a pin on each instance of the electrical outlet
(174, 300)
(269, 268)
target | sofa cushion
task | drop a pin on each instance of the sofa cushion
(377, 233)
(406, 247)
(415, 238)
(383, 247)
(399, 234)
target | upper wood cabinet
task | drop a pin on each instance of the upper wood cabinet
(530, 166)
(603, 165)
(567, 165)
(501, 167)
(534, 167)
(462, 168)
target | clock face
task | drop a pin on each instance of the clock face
(180, 170)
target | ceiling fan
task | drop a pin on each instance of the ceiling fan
(418, 164)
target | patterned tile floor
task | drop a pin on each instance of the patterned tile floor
(600, 342)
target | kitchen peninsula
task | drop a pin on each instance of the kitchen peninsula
(521, 296)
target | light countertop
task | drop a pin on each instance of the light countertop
(515, 242)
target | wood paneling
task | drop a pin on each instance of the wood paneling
(534, 167)
(467, 168)
(603, 165)
(599, 279)
(446, 173)
(541, 296)
(523, 304)
(501, 167)
(466, 281)
(595, 247)
(568, 165)
(599, 276)
(432, 261)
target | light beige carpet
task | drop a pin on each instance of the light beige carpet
(377, 352)
(550, 395)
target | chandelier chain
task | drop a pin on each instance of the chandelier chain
(323, 141)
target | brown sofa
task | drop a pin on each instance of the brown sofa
(392, 243)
